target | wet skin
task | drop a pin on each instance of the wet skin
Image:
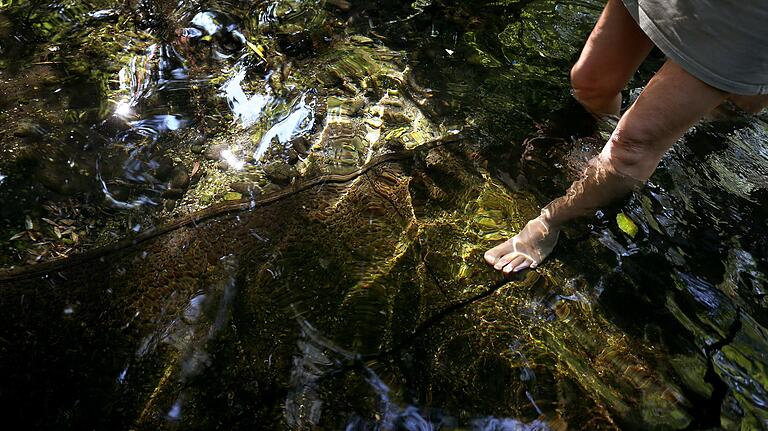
(672, 102)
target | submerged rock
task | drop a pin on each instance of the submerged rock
(246, 188)
(30, 130)
(173, 193)
(280, 172)
(179, 178)
(213, 152)
(350, 290)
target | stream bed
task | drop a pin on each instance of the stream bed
(244, 214)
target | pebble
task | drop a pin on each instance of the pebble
(120, 193)
(300, 145)
(395, 117)
(179, 178)
(164, 168)
(280, 172)
(214, 151)
(173, 193)
(271, 188)
(197, 177)
(293, 156)
(27, 129)
(245, 188)
(233, 196)
(61, 180)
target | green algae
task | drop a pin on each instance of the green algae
(369, 260)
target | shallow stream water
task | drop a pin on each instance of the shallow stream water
(272, 214)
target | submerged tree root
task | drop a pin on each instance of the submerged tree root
(218, 210)
(709, 415)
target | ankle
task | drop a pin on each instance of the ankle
(599, 107)
(546, 222)
(635, 170)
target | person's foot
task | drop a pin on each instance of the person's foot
(526, 249)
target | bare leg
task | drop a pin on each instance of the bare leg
(751, 104)
(670, 104)
(610, 57)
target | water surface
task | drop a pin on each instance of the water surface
(272, 214)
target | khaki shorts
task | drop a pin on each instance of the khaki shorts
(721, 42)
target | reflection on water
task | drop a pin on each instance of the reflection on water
(347, 289)
(245, 109)
(299, 121)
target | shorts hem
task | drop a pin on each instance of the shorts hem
(691, 65)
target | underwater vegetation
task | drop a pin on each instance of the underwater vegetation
(272, 215)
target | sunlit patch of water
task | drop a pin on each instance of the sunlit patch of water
(246, 109)
(232, 160)
(154, 126)
(293, 11)
(741, 167)
(300, 120)
(138, 79)
(207, 21)
(103, 14)
(123, 109)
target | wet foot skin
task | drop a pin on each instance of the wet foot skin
(527, 249)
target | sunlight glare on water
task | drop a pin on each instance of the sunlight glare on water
(123, 109)
(298, 122)
(246, 109)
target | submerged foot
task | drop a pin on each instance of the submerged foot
(526, 249)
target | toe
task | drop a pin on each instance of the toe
(510, 267)
(524, 264)
(504, 260)
(491, 256)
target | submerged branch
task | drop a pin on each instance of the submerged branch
(214, 211)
